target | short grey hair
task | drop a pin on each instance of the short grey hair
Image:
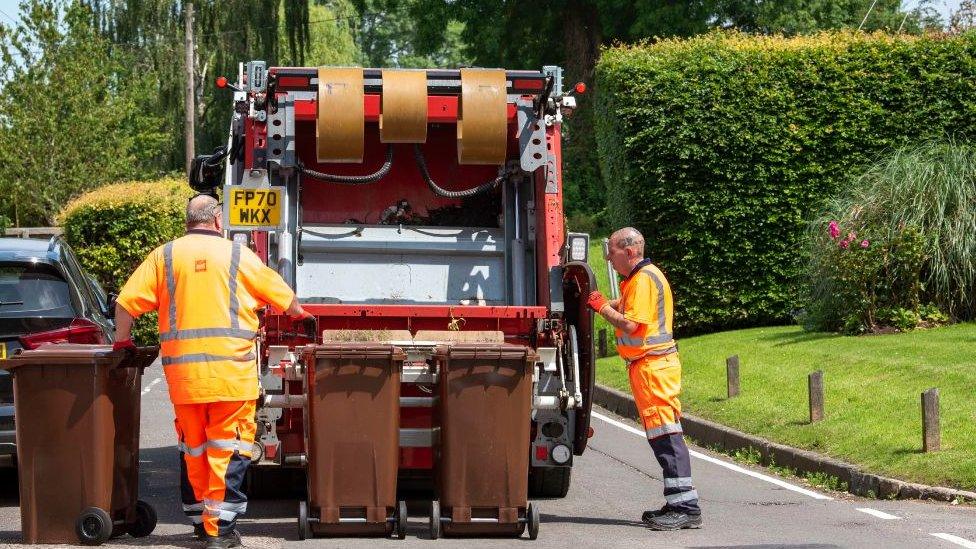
(628, 237)
(201, 210)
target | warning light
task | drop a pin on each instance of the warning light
(221, 82)
(580, 88)
(541, 453)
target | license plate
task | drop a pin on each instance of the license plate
(253, 208)
(3, 351)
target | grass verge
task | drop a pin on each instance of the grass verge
(872, 394)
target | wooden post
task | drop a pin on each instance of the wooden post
(602, 343)
(816, 387)
(931, 436)
(732, 375)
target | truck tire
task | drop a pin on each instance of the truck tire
(549, 482)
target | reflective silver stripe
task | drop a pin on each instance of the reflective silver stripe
(204, 357)
(627, 340)
(225, 444)
(666, 429)
(238, 507)
(229, 516)
(680, 482)
(662, 321)
(661, 352)
(170, 284)
(235, 264)
(664, 337)
(196, 451)
(193, 508)
(690, 495)
(195, 519)
(198, 333)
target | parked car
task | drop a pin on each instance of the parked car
(45, 297)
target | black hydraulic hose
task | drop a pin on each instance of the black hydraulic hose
(422, 164)
(352, 179)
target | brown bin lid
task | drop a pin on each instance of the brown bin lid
(488, 351)
(78, 354)
(353, 349)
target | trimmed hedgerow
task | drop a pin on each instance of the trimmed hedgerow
(113, 228)
(722, 147)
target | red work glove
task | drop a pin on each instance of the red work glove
(596, 301)
(124, 345)
(309, 322)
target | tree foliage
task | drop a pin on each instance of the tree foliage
(570, 33)
(73, 112)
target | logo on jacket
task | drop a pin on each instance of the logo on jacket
(201, 265)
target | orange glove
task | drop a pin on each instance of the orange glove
(596, 301)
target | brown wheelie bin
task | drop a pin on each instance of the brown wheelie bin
(483, 464)
(77, 415)
(352, 436)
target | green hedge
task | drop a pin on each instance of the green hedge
(113, 228)
(721, 148)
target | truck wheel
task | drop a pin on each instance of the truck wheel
(145, 521)
(93, 527)
(435, 519)
(549, 482)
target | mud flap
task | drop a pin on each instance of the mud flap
(578, 282)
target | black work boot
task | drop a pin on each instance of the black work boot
(648, 515)
(224, 541)
(673, 520)
(199, 532)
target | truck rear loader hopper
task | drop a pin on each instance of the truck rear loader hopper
(418, 211)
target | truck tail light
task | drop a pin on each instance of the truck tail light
(81, 330)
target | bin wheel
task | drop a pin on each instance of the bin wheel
(304, 532)
(435, 519)
(532, 514)
(145, 521)
(401, 523)
(93, 527)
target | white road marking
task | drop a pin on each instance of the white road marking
(876, 513)
(962, 542)
(720, 463)
(150, 386)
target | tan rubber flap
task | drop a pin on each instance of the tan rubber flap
(383, 336)
(403, 114)
(482, 133)
(339, 127)
(455, 336)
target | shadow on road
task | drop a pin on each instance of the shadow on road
(590, 520)
(769, 546)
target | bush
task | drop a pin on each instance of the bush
(4, 224)
(722, 148)
(113, 229)
(918, 210)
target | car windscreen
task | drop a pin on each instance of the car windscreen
(33, 289)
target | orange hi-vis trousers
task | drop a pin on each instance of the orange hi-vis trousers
(656, 383)
(215, 442)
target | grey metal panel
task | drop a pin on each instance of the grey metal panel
(419, 438)
(400, 265)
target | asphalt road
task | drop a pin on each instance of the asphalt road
(613, 483)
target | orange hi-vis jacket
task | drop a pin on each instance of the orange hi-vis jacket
(207, 290)
(645, 298)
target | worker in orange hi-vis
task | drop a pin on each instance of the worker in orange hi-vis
(208, 290)
(643, 318)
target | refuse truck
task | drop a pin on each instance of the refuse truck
(418, 215)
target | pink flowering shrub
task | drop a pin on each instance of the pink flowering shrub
(866, 280)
